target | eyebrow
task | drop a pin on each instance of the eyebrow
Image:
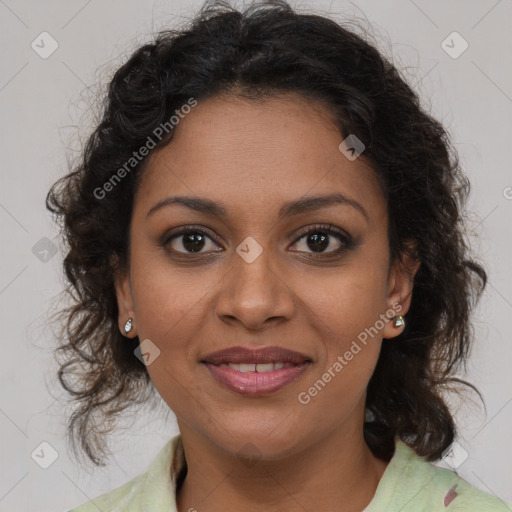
(305, 205)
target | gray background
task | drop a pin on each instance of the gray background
(44, 101)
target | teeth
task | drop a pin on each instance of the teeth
(259, 368)
(244, 368)
(263, 368)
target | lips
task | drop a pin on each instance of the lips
(256, 372)
(256, 384)
(265, 355)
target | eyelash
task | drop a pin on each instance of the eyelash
(345, 239)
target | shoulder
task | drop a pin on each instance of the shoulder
(117, 499)
(152, 490)
(468, 498)
(412, 484)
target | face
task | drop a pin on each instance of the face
(322, 279)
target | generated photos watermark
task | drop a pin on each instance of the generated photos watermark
(158, 133)
(305, 397)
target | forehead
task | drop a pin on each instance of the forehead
(255, 155)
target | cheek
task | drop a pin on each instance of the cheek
(344, 309)
(168, 299)
(168, 314)
(348, 353)
(346, 301)
(167, 308)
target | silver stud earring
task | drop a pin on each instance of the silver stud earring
(128, 326)
(399, 321)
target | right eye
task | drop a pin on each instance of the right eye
(189, 240)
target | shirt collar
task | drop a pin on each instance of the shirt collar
(159, 490)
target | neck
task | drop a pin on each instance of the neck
(338, 472)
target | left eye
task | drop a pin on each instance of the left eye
(319, 240)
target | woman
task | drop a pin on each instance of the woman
(266, 230)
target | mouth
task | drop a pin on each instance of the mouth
(256, 372)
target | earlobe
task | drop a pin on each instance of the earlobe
(400, 288)
(126, 316)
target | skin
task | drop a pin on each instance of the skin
(252, 157)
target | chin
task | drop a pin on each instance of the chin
(260, 442)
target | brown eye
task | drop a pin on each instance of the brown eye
(323, 239)
(190, 241)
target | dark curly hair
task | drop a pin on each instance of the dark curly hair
(265, 50)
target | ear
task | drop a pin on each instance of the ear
(400, 287)
(124, 296)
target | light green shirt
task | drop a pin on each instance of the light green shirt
(409, 484)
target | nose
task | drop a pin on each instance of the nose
(255, 293)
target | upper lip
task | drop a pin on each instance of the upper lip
(256, 356)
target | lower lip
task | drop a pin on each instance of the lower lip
(253, 383)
